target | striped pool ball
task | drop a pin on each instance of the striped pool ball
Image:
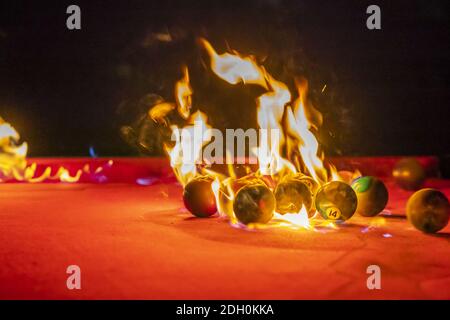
(336, 201)
(428, 210)
(372, 195)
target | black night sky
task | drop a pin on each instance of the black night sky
(387, 90)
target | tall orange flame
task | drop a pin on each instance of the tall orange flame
(183, 94)
(189, 141)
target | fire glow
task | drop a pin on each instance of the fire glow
(295, 153)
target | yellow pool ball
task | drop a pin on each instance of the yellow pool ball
(336, 201)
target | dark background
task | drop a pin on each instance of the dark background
(65, 91)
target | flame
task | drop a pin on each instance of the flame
(14, 165)
(287, 142)
(300, 127)
(12, 156)
(299, 219)
(235, 68)
(271, 107)
(225, 196)
(183, 98)
(335, 176)
(185, 155)
(13, 162)
(159, 112)
(224, 193)
(183, 94)
(344, 176)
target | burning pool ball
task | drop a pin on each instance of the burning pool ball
(309, 181)
(409, 174)
(199, 198)
(372, 195)
(428, 210)
(291, 195)
(336, 200)
(254, 203)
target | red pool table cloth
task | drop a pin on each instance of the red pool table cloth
(138, 242)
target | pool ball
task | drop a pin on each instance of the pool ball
(291, 195)
(254, 203)
(230, 188)
(309, 181)
(199, 198)
(409, 174)
(372, 195)
(313, 187)
(428, 210)
(336, 200)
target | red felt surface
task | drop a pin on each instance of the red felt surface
(137, 242)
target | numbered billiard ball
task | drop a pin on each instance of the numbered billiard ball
(336, 200)
(372, 195)
(254, 203)
(409, 174)
(199, 198)
(291, 195)
(428, 210)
